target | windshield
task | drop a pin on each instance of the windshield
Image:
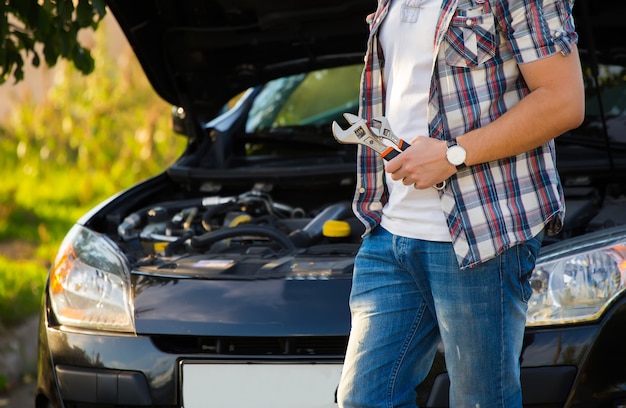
(320, 97)
(313, 99)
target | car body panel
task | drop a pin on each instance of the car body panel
(269, 307)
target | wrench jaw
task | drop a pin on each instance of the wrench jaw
(352, 119)
(359, 133)
(343, 136)
(382, 128)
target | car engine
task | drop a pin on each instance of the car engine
(221, 233)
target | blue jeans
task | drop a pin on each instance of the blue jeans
(407, 296)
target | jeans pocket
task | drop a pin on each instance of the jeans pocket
(471, 38)
(527, 253)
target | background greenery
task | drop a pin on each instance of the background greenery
(36, 30)
(89, 138)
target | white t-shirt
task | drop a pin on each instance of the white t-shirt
(407, 38)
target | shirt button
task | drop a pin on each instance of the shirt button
(469, 22)
(361, 190)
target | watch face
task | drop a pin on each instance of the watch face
(456, 155)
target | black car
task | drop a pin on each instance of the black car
(224, 281)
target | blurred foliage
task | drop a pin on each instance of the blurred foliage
(90, 137)
(28, 26)
(20, 289)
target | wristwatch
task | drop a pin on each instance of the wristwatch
(456, 154)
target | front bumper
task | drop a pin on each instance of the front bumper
(81, 369)
(568, 366)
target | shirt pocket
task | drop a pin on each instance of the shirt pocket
(410, 11)
(471, 38)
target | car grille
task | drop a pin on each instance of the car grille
(331, 346)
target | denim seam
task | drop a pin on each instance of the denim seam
(402, 355)
(504, 263)
(400, 246)
(502, 351)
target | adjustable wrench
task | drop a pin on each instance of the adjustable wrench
(360, 133)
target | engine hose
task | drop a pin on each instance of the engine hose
(206, 240)
(213, 211)
(128, 227)
(174, 245)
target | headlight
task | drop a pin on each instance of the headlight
(579, 282)
(90, 283)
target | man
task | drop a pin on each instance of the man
(481, 87)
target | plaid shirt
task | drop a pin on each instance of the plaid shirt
(478, 45)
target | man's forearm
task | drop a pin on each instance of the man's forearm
(554, 106)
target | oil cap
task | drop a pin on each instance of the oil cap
(336, 229)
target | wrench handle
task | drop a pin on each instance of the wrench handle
(389, 153)
(402, 145)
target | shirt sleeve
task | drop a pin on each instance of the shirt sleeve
(537, 29)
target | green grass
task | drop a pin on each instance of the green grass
(20, 288)
(90, 137)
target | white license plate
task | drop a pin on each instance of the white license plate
(259, 385)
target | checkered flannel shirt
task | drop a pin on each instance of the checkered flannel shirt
(479, 43)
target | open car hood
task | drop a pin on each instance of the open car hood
(199, 54)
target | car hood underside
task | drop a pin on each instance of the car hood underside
(200, 54)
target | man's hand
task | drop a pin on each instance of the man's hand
(422, 165)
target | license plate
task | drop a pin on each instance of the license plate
(271, 385)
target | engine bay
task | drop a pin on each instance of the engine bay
(240, 237)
